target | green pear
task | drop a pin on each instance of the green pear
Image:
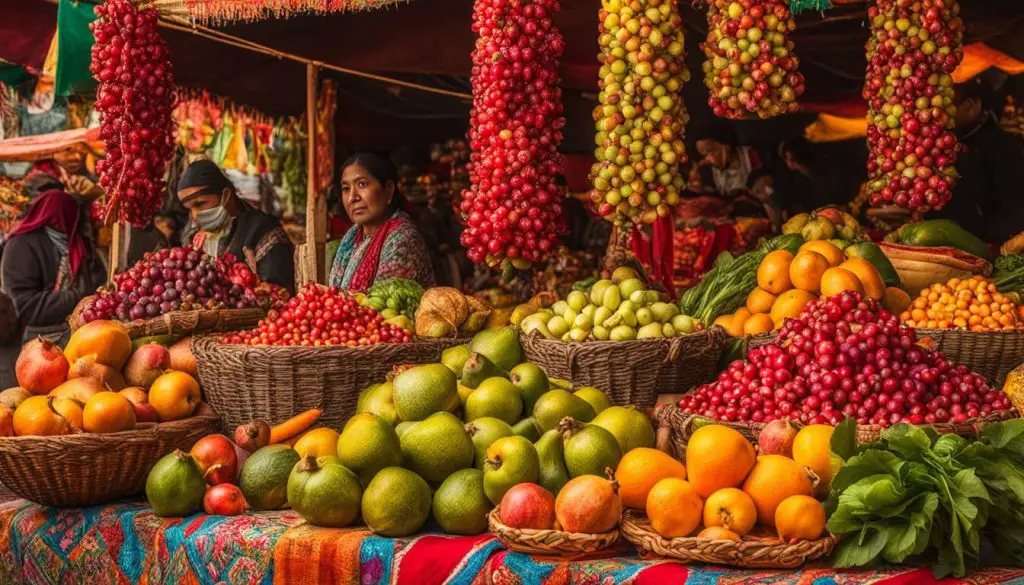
(484, 432)
(501, 346)
(630, 286)
(379, 399)
(526, 428)
(552, 407)
(495, 397)
(437, 447)
(477, 369)
(510, 461)
(553, 474)
(464, 392)
(597, 291)
(456, 357)
(623, 273)
(423, 390)
(597, 399)
(630, 427)
(532, 383)
(403, 427)
(588, 449)
(560, 383)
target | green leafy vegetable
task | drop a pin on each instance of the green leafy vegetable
(1009, 273)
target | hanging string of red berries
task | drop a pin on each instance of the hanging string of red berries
(513, 208)
(640, 117)
(751, 67)
(915, 46)
(135, 98)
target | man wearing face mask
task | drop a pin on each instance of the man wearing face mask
(220, 222)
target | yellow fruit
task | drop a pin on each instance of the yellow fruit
(640, 469)
(827, 249)
(739, 319)
(812, 448)
(760, 301)
(836, 280)
(318, 442)
(732, 509)
(868, 276)
(806, 270)
(771, 481)
(789, 305)
(674, 508)
(759, 323)
(896, 300)
(718, 533)
(718, 457)
(773, 273)
(800, 517)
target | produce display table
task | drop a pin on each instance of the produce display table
(126, 544)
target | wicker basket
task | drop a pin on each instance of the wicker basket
(992, 354)
(87, 469)
(683, 424)
(244, 382)
(631, 372)
(549, 542)
(182, 322)
(749, 553)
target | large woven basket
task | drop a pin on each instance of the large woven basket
(244, 383)
(749, 553)
(549, 542)
(182, 322)
(683, 424)
(86, 469)
(993, 354)
(631, 372)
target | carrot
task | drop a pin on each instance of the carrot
(294, 426)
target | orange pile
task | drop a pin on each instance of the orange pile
(973, 303)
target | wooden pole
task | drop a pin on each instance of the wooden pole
(316, 203)
(118, 249)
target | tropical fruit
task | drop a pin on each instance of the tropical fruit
(108, 412)
(368, 444)
(421, 391)
(812, 448)
(730, 508)
(532, 383)
(526, 428)
(836, 280)
(396, 502)
(800, 517)
(495, 397)
(596, 398)
(896, 300)
(718, 457)
(454, 358)
(588, 449)
(553, 474)
(588, 504)
(174, 396)
(175, 486)
(640, 469)
(460, 504)
(757, 324)
(477, 369)
(773, 272)
(674, 507)
(868, 276)
(718, 533)
(379, 400)
(789, 305)
(557, 404)
(834, 255)
(108, 340)
(630, 427)
(40, 415)
(501, 346)
(484, 432)
(806, 269)
(773, 479)
(510, 461)
(437, 447)
(317, 443)
(324, 495)
(760, 301)
(264, 477)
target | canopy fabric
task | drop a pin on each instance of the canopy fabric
(978, 57)
(29, 148)
(74, 48)
(221, 11)
(829, 128)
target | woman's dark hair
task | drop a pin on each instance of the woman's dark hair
(381, 169)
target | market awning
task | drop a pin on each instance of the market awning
(29, 148)
(223, 11)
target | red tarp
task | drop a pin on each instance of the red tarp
(29, 148)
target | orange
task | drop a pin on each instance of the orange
(37, 416)
(773, 273)
(6, 422)
(718, 533)
(318, 442)
(760, 301)
(836, 280)
(789, 305)
(868, 276)
(674, 507)
(812, 448)
(771, 481)
(718, 457)
(827, 249)
(108, 412)
(71, 410)
(800, 517)
(806, 270)
(640, 469)
(896, 300)
(731, 509)
(759, 323)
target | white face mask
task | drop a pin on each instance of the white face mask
(213, 219)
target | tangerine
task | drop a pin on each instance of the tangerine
(640, 469)
(732, 509)
(674, 507)
(6, 422)
(718, 457)
(789, 305)
(760, 301)
(718, 533)
(108, 412)
(806, 270)
(812, 449)
(773, 479)
(318, 442)
(868, 276)
(830, 251)
(759, 323)
(836, 280)
(800, 517)
(773, 273)
(37, 416)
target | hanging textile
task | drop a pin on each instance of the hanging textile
(829, 128)
(74, 51)
(978, 57)
(219, 11)
(327, 102)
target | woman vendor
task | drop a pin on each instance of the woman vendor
(383, 243)
(48, 266)
(221, 222)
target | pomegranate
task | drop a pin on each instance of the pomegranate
(215, 456)
(253, 435)
(528, 505)
(41, 366)
(224, 499)
(776, 438)
(588, 504)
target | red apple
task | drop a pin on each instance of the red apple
(528, 505)
(144, 411)
(224, 500)
(215, 456)
(146, 364)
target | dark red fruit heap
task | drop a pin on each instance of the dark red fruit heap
(319, 316)
(135, 98)
(175, 279)
(513, 207)
(846, 356)
(751, 67)
(914, 48)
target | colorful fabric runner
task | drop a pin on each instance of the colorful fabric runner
(126, 544)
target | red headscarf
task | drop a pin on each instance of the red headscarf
(57, 210)
(366, 273)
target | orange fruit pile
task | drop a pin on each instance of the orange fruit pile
(972, 303)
